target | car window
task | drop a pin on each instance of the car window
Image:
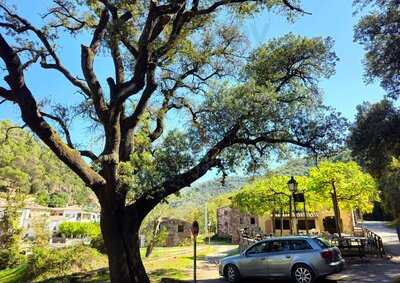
(299, 245)
(258, 248)
(322, 243)
(278, 246)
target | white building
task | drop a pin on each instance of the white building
(54, 216)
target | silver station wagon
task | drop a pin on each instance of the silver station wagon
(301, 258)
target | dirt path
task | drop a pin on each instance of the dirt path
(208, 267)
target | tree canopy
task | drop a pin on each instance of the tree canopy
(268, 194)
(355, 189)
(378, 32)
(375, 144)
(375, 136)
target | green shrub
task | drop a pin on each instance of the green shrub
(10, 258)
(80, 229)
(11, 253)
(47, 263)
(98, 244)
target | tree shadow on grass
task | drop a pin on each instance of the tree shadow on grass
(94, 276)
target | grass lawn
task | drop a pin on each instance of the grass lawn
(173, 262)
(165, 264)
(12, 275)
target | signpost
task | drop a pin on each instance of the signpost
(195, 233)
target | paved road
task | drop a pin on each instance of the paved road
(389, 236)
(373, 271)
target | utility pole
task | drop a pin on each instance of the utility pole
(290, 215)
(206, 222)
(296, 230)
(305, 215)
(195, 233)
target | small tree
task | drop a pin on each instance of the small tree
(270, 194)
(346, 185)
(11, 231)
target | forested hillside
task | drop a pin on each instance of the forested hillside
(203, 192)
(26, 164)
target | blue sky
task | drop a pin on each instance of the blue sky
(334, 18)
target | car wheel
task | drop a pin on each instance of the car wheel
(303, 274)
(232, 274)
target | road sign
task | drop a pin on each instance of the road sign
(195, 229)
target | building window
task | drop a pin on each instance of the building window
(225, 212)
(252, 221)
(180, 228)
(302, 224)
(241, 220)
(286, 225)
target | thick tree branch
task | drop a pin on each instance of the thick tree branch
(87, 58)
(32, 117)
(67, 134)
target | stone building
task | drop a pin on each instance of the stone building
(230, 221)
(178, 231)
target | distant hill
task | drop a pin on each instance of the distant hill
(293, 167)
(205, 191)
(28, 163)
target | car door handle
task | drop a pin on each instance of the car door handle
(263, 258)
(288, 256)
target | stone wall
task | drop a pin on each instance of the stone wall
(230, 221)
(178, 231)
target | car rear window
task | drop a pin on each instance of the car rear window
(322, 243)
(299, 245)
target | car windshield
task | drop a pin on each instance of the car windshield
(323, 243)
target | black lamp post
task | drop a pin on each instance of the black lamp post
(292, 184)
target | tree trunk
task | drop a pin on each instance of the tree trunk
(121, 238)
(154, 236)
(273, 222)
(336, 211)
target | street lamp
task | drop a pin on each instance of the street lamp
(292, 184)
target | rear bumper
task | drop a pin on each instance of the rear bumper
(333, 267)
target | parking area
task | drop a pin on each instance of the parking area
(374, 270)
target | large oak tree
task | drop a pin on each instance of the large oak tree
(164, 56)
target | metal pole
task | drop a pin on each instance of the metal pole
(194, 260)
(206, 223)
(305, 215)
(290, 215)
(296, 230)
